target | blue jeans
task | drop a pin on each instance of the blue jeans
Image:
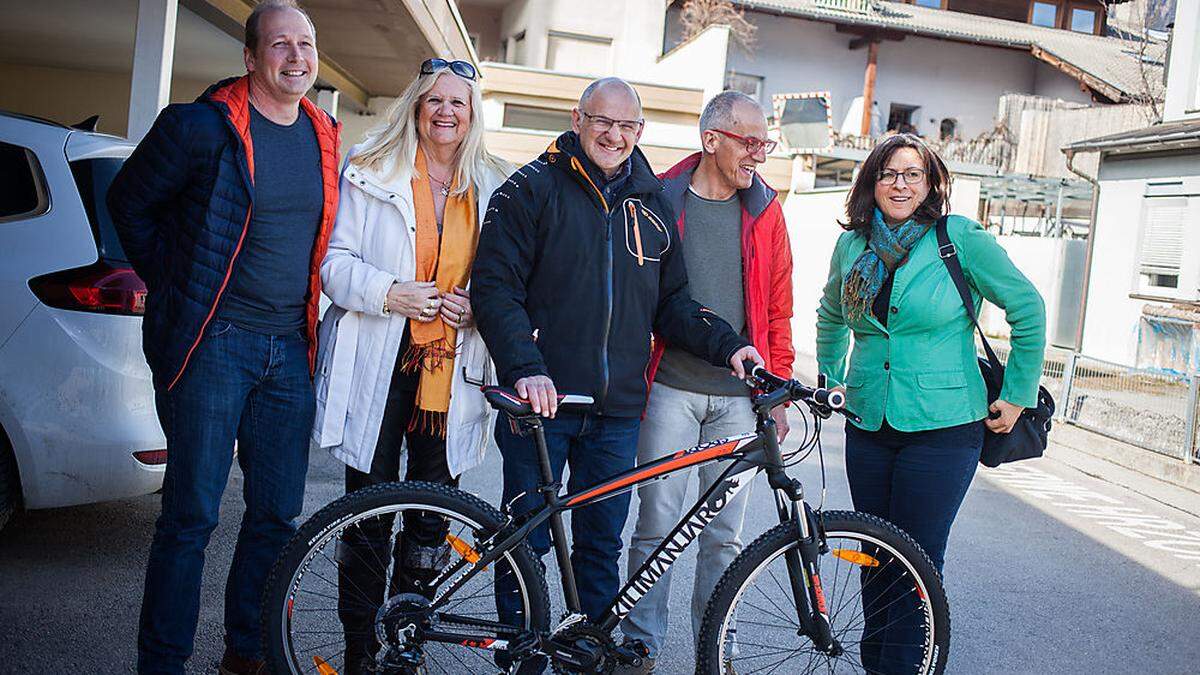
(676, 419)
(254, 388)
(596, 447)
(917, 481)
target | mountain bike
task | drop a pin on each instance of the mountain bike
(823, 591)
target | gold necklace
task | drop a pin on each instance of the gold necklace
(445, 185)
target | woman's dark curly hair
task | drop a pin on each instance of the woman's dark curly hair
(860, 203)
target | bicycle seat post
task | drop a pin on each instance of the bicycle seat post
(548, 488)
(539, 440)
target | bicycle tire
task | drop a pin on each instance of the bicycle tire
(876, 533)
(337, 516)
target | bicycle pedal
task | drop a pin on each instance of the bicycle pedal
(631, 653)
(523, 646)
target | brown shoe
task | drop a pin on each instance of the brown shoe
(233, 663)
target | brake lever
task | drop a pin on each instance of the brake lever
(818, 410)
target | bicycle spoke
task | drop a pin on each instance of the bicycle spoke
(891, 604)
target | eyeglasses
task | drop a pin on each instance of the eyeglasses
(460, 68)
(753, 145)
(603, 124)
(910, 176)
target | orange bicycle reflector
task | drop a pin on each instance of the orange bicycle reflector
(463, 548)
(322, 667)
(856, 557)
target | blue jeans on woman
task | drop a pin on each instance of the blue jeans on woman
(917, 481)
(256, 389)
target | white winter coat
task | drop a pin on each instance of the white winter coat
(372, 245)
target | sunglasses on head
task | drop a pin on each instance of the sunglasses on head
(462, 69)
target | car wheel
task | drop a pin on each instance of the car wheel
(10, 483)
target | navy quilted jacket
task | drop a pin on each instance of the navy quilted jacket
(181, 205)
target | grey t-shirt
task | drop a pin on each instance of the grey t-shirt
(712, 252)
(269, 288)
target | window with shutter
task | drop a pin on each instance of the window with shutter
(1161, 258)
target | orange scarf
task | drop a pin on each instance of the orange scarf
(446, 260)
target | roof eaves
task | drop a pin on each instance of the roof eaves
(1185, 137)
(1020, 36)
(1079, 73)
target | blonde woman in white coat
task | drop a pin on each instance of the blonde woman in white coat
(400, 362)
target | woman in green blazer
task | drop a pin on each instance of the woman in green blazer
(913, 376)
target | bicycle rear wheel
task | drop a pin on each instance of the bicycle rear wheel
(322, 600)
(885, 602)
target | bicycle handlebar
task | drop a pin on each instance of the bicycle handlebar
(833, 400)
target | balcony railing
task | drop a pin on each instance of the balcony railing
(860, 6)
(993, 149)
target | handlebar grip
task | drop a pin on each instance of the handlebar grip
(765, 376)
(830, 398)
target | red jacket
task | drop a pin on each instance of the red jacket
(767, 261)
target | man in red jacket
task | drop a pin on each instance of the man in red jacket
(735, 247)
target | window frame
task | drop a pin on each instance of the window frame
(1068, 17)
(537, 108)
(40, 186)
(759, 80)
(1058, 12)
(1185, 284)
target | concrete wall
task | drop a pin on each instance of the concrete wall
(1051, 82)
(484, 22)
(1054, 266)
(1112, 316)
(634, 26)
(812, 226)
(699, 63)
(71, 96)
(1183, 74)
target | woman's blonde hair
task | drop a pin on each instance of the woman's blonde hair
(394, 141)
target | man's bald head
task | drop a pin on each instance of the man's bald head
(609, 88)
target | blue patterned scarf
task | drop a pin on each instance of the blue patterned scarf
(887, 248)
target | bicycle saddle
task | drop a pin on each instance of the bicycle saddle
(506, 400)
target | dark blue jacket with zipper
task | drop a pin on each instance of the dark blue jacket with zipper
(181, 206)
(594, 278)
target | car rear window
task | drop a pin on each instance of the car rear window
(94, 176)
(22, 192)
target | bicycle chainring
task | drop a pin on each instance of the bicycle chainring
(591, 646)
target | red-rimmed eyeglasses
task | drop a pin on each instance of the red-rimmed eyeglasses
(753, 145)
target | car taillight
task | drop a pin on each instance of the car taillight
(151, 457)
(103, 286)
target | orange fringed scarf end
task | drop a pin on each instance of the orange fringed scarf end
(428, 357)
(428, 422)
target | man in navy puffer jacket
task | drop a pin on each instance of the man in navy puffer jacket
(225, 210)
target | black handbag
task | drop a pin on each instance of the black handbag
(1029, 435)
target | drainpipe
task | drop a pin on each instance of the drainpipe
(1091, 245)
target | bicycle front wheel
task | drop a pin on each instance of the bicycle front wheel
(886, 605)
(381, 547)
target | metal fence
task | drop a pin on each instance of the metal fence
(1151, 409)
(847, 5)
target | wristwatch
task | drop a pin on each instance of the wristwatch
(387, 311)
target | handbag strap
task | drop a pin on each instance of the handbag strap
(949, 255)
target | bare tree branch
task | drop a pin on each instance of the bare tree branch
(698, 15)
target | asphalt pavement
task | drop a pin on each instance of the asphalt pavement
(1048, 571)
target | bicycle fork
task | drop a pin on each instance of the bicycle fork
(802, 561)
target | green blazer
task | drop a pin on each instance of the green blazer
(921, 370)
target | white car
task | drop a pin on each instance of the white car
(77, 417)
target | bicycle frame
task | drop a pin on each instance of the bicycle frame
(748, 454)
